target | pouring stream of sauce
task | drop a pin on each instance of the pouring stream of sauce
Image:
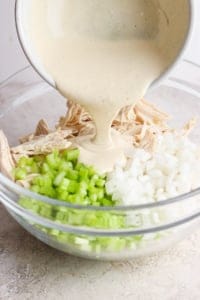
(103, 55)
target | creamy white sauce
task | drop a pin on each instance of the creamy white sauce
(104, 54)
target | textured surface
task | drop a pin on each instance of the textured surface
(32, 270)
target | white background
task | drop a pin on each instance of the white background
(12, 58)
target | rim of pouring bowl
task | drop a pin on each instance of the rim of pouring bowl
(36, 66)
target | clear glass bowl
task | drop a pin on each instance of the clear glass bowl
(24, 99)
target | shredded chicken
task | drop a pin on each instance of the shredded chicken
(42, 128)
(146, 113)
(6, 160)
(43, 144)
(142, 122)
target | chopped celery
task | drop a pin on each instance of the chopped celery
(72, 155)
(20, 173)
(59, 179)
(62, 177)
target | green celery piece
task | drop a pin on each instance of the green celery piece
(53, 159)
(46, 211)
(62, 195)
(46, 168)
(65, 165)
(25, 161)
(35, 188)
(72, 174)
(100, 183)
(73, 186)
(59, 178)
(20, 174)
(72, 155)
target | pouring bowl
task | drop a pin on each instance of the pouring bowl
(22, 6)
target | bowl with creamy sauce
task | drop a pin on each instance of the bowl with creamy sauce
(168, 24)
(155, 198)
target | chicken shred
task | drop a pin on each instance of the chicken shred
(42, 128)
(142, 122)
(6, 160)
(43, 144)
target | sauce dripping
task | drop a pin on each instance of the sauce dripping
(103, 55)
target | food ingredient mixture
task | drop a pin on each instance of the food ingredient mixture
(162, 163)
(104, 55)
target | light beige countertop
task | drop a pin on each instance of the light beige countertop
(31, 270)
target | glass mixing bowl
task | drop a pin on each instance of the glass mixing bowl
(24, 99)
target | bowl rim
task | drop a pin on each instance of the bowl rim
(47, 78)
